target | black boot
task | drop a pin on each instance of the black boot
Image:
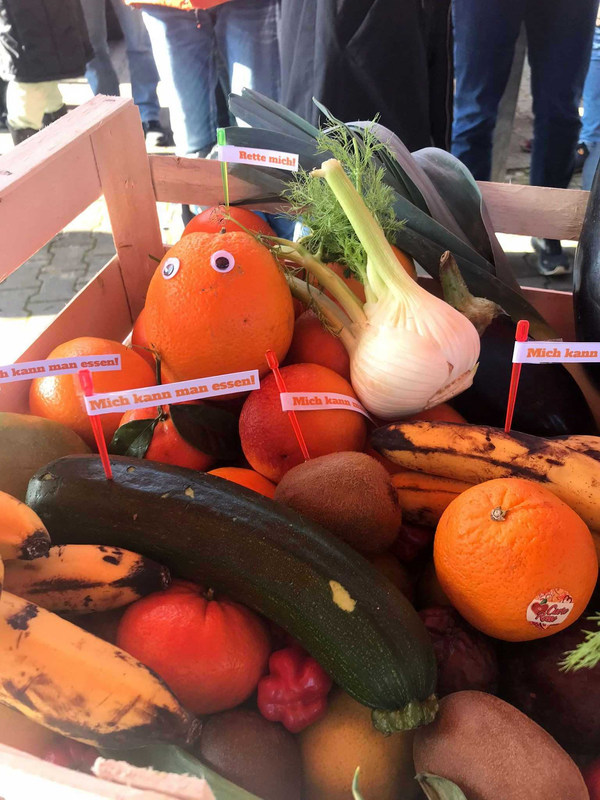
(51, 117)
(20, 134)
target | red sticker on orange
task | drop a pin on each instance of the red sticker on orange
(551, 607)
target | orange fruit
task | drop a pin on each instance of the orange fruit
(213, 220)
(246, 477)
(60, 397)
(210, 652)
(441, 413)
(216, 303)
(139, 339)
(514, 560)
(266, 433)
(167, 445)
(312, 343)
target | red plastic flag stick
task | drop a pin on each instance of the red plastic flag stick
(87, 384)
(274, 367)
(520, 336)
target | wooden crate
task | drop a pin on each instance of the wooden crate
(99, 149)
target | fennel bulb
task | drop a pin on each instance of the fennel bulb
(408, 349)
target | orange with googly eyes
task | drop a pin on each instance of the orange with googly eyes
(216, 303)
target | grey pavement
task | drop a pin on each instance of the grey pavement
(34, 294)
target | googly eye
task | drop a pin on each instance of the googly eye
(170, 268)
(222, 261)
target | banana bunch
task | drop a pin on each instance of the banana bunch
(423, 498)
(58, 674)
(477, 453)
(81, 686)
(22, 532)
(85, 578)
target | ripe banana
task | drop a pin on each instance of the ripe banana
(588, 445)
(22, 532)
(423, 498)
(477, 453)
(78, 685)
(83, 578)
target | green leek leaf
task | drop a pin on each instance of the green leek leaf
(169, 758)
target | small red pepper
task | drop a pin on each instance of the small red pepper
(295, 690)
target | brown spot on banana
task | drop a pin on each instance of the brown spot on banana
(20, 621)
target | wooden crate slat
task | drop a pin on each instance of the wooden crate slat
(535, 210)
(34, 211)
(198, 181)
(120, 153)
(49, 179)
(514, 208)
(100, 309)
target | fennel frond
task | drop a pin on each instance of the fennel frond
(331, 235)
(587, 654)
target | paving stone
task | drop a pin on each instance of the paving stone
(45, 307)
(24, 278)
(57, 287)
(13, 302)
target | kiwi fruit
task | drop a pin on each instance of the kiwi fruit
(350, 494)
(260, 756)
(494, 752)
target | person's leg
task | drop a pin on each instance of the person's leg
(246, 33)
(485, 32)
(26, 104)
(589, 136)
(142, 67)
(590, 165)
(100, 72)
(559, 44)
(184, 55)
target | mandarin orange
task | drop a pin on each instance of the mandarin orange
(213, 220)
(313, 343)
(60, 397)
(246, 477)
(167, 445)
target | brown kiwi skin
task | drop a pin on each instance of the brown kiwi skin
(260, 756)
(350, 494)
(494, 752)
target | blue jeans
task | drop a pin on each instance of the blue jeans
(559, 39)
(235, 43)
(100, 72)
(590, 128)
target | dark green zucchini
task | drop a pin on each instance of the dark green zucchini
(350, 618)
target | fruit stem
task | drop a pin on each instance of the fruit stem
(413, 715)
(340, 323)
(292, 251)
(498, 514)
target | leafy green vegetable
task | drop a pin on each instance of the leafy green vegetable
(331, 235)
(587, 654)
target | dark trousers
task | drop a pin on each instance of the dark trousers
(559, 41)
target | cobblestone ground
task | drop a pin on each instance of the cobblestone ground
(32, 296)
